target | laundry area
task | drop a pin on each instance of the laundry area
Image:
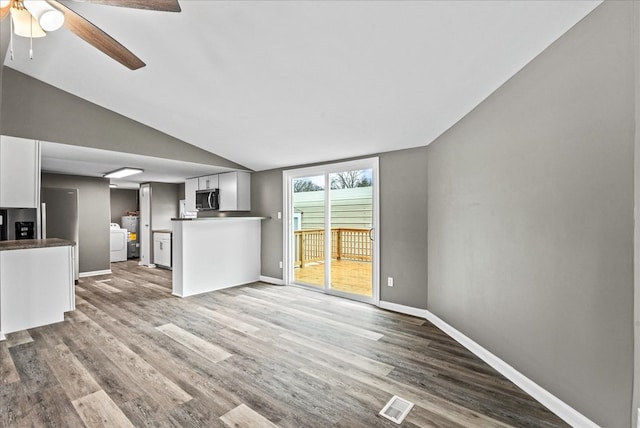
(140, 227)
(124, 226)
(124, 239)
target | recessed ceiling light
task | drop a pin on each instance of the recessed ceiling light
(122, 172)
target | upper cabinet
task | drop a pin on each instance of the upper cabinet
(235, 191)
(208, 182)
(19, 172)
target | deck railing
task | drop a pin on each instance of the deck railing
(346, 243)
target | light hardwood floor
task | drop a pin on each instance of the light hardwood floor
(250, 356)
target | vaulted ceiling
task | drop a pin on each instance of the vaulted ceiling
(272, 84)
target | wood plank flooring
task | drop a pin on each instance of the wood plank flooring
(252, 356)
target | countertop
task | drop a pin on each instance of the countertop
(218, 218)
(25, 244)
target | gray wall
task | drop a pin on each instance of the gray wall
(636, 382)
(403, 227)
(5, 37)
(93, 248)
(164, 205)
(530, 219)
(122, 200)
(35, 110)
(266, 200)
(180, 191)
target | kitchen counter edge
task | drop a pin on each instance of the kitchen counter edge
(25, 244)
(218, 218)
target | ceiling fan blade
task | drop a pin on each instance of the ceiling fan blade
(5, 11)
(161, 5)
(97, 38)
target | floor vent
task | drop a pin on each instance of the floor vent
(396, 409)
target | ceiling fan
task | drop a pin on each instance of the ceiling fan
(33, 18)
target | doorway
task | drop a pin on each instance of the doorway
(145, 221)
(331, 233)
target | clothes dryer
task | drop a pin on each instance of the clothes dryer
(118, 243)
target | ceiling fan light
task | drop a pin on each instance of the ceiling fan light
(49, 18)
(24, 25)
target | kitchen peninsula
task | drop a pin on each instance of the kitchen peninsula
(36, 283)
(215, 253)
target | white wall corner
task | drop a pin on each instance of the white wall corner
(550, 401)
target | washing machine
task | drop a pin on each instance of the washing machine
(118, 243)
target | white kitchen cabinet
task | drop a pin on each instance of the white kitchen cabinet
(36, 286)
(190, 188)
(235, 191)
(215, 253)
(208, 182)
(19, 172)
(162, 249)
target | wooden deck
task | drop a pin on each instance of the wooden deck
(349, 276)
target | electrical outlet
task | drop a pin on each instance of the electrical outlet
(390, 281)
(280, 265)
(279, 217)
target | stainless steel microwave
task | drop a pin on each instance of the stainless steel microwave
(208, 199)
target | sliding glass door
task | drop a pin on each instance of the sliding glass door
(331, 213)
(351, 227)
(308, 230)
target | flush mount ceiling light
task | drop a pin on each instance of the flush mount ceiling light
(33, 18)
(123, 172)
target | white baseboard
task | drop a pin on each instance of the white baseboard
(2, 337)
(408, 310)
(95, 273)
(550, 401)
(270, 280)
(151, 265)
